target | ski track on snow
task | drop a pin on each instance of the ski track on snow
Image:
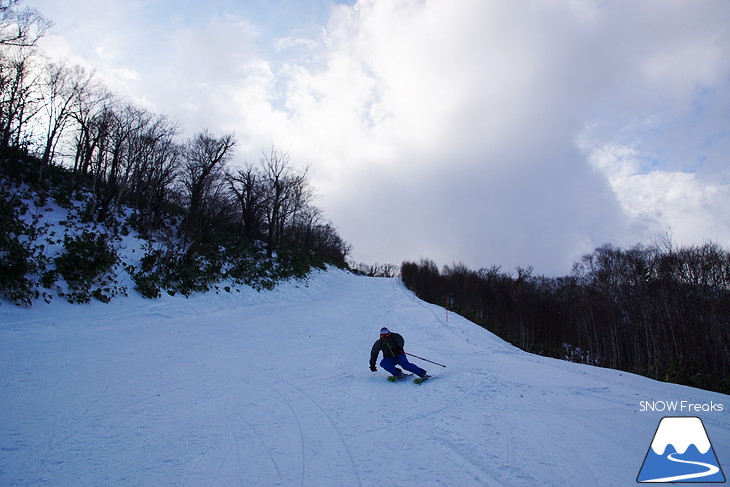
(328, 418)
(302, 446)
(272, 389)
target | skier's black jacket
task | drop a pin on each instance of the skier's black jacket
(391, 346)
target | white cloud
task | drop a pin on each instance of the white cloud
(473, 152)
(692, 209)
(290, 42)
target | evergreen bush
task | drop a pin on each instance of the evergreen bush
(87, 265)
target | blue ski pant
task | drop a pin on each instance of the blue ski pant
(400, 359)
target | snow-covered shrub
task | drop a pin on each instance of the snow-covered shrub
(16, 256)
(87, 264)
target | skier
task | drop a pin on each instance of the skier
(391, 344)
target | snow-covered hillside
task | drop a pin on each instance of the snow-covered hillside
(273, 388)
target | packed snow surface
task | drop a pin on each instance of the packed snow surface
(243, 388)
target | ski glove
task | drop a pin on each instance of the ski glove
(372, 367)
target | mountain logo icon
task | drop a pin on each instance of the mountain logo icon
(681, 452)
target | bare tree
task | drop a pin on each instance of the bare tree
(297, 198)
(90, 104)
(127, 124)
(278, 178)
(248, 190)
(62, 87)
(18, 95)
(202, 170)
(21, 27)
(154, 159)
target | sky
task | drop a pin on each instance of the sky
(482, 132)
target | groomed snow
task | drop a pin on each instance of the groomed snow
(273, 388)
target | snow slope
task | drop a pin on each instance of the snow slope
(273, 388)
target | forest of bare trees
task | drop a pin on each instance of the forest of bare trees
(657, 310)
(66, 116)
(60, 116)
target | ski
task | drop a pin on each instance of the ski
(393, 378)
(419, 380)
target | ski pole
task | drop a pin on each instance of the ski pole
(427, 360)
